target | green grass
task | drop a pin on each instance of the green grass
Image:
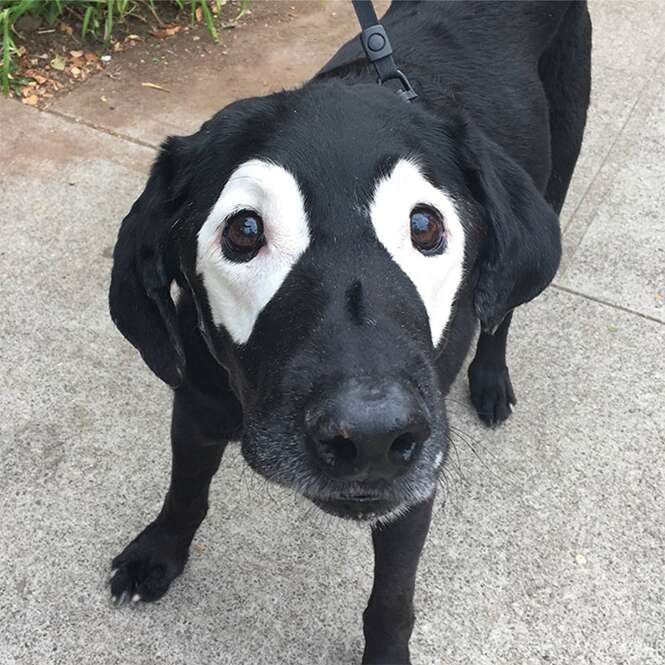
(98, 18)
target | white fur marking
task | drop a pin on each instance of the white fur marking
(438, 459)
(436, 278)
(237, 292)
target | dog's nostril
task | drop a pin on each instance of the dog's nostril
(402, 448)
(338, 450)
(366, 431)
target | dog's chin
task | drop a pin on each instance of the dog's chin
(359, 509)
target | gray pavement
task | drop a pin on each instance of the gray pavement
(551, 547)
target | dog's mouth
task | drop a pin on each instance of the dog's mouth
(359, 507)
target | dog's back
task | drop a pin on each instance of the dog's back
(510, 64)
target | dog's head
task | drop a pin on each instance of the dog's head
(326, 236)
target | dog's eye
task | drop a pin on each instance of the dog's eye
(427, 230)
(243, 236)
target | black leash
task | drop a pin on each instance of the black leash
(378, 49)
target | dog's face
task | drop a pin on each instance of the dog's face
(326, 235)
(326, 271)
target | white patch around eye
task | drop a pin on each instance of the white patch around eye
(436, 278)
(237, 292)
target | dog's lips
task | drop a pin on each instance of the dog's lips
(360, 497)
(358, 507)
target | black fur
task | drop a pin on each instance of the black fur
(503, 91)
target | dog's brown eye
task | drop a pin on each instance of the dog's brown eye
(427, 230)
(242, 236)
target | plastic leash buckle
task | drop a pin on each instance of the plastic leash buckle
(379, 52)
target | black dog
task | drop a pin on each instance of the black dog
(335, 247)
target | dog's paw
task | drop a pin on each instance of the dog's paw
(491, 393)
(144, 570)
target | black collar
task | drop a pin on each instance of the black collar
(378, 49)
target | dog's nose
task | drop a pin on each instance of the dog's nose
(364, 431)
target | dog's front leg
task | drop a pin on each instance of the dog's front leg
(389, 617)
(489, 380)
(145, 569)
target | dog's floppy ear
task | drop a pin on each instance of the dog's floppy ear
(523, 248)
(145, 263)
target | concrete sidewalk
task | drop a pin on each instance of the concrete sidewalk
(551, 548)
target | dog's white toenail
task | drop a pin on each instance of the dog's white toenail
(120, 600)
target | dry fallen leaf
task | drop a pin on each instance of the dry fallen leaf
(75, 72)
(58, 63)
(32, 100)
(154, 86)
(76, 54)
(66, 28)
(103, 99)
(90, 56)
(167, 31)
(199, 14)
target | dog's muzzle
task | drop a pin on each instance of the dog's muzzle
(366, 434)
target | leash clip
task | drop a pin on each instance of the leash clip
(379, 51)
(407, 93)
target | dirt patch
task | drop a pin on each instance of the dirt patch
(280, 46)
(55, 59)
